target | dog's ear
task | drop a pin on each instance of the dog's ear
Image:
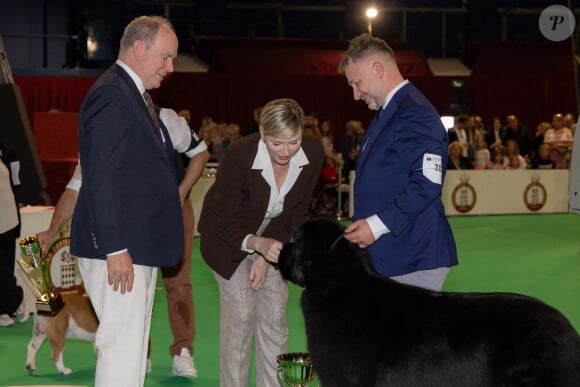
(314, 243)
(289, 264)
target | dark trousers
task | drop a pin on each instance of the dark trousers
(10, 292)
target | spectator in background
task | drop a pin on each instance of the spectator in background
(11, 295)
(496, 162)
(206, 120)
(519, 133)
(254, 126)
(325, 197)
(560, 140)
(456, 160)
(208, 133)
(515, 163)
(495, 138)
(570, 121)
(311, 124)
(231, 134)
(473, 136)
(350, 144)
(478, 124)
(218, 145)
(481, 154)
(326, 132)
(512, 158)
(538, 138)
(543, 160)
(459, 133)
(186, 114)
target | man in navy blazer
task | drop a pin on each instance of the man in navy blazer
(127, 220)
(398, 213)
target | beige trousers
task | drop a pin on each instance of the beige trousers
(245, 313)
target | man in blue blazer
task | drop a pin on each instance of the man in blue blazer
(127, 220)
(398, 213)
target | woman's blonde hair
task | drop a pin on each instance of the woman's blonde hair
(282, 118)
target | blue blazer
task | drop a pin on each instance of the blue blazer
(129, 197)
(390, 182)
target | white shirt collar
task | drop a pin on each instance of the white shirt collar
(262, 159)
(133, 75)
(264, 162)
(392, 93)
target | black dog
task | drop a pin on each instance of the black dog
(366, 330)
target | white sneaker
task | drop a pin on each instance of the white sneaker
(22, 314)
(6, 321)
(183, 365)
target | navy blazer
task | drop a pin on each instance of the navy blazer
(129, 197)
(390, 182)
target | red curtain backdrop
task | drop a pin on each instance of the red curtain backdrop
(532, 84)
(42, 93)
(56, 135)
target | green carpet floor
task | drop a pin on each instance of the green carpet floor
(537, 255)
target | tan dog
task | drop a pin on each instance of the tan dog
(76, 320)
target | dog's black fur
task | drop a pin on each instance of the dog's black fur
(366, 330)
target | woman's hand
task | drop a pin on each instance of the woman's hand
(267, 247)
(258, 273)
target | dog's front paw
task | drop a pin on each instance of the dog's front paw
(59, 364)
(30, 368)
(65, 371)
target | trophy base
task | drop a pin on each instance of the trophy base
(49, 305)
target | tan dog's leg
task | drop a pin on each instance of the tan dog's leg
(58, 362)
(56, 329)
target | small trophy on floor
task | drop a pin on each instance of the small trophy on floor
(36, 270)
(295, 370)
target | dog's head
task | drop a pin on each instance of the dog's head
(318, 249)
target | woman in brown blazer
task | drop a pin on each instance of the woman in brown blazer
(262, 190)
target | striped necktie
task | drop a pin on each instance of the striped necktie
(153, 114)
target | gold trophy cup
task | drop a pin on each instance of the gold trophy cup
(295, 370)
(35, 269)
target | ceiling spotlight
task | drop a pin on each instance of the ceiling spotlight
(371, 14)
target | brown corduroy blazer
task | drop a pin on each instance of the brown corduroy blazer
(236, 203)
